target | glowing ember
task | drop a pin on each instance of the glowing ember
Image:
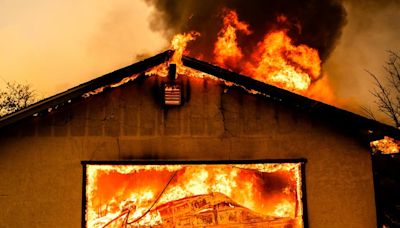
(101, 89)
(158, 196)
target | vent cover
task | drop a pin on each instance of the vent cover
(172, 95)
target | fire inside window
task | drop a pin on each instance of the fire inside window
(193, 195)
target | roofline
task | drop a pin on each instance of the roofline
(378, 129)
(83, 88)
(313, 106)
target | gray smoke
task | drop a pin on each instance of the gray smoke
(373, 28)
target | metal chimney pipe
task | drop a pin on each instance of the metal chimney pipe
(172, 72)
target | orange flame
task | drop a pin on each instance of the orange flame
(226, 47)
(179, 43)
(133, 194)
(277, 61)
(322, 90)
(386, 145)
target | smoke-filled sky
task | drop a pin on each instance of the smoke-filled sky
(176, 16)
(55, 45)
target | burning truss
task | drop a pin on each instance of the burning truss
(193, 195)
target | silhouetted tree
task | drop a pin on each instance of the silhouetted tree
(16, 96)
(387, 90)
(386, 168)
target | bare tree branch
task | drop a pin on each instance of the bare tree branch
(387, 92)
(368, 112)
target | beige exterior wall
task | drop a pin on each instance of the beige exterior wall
(41, 174)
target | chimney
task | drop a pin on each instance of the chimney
(172, 72)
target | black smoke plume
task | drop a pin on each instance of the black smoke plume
(316, 23)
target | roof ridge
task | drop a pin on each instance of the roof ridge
(296, 100)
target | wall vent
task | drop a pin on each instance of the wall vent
(172, 91)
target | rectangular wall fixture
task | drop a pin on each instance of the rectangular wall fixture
(172, 90)
(193, 194)
(172, 95)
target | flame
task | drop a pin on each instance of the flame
(386, 145)
(277, 61)
(226, 48)
(284, 209)
(179, 43)
(199, 181)
(131, 194)
(114, 85)
(322, 90)
(108, 211)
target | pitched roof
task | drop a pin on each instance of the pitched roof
(78, 91)
(339, 116)
(374, 128)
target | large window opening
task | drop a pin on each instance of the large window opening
(193, 194)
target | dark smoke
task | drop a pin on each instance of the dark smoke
(316, 23)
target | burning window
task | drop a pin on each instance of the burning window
(209, 194)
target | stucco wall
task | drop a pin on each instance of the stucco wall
(41, 174)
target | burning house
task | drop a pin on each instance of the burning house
(163, 145)
(176, 141)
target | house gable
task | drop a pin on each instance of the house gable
(216, 122)
(367, 129)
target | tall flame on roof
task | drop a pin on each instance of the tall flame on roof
(179, 44)
(226, 48)
(275, 60)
